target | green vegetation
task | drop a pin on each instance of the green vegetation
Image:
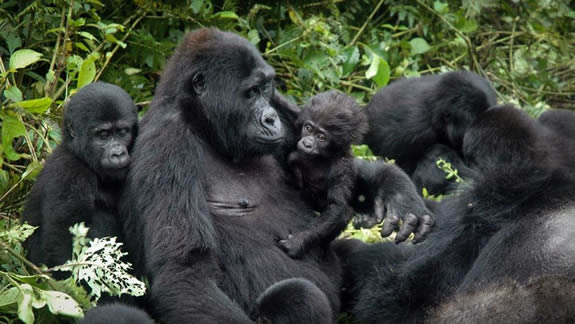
(51, 48)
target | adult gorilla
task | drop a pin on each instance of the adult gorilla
(205, 195)
(511, 233)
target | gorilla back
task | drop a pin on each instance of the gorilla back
(206, 196)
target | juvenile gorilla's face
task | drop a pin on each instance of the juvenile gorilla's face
(314, 139)
(109, 145)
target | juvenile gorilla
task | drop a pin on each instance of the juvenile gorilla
(513, 224)
(205, 194)
(82, 179)
(409, 116)
(323, 166)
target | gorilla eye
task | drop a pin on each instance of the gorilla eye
(321, 137)
(123, 131)
(253, 91)
(103, 134)
(307, 128)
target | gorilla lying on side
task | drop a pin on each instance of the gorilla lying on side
(515, 223)
(83, 177)
(409, 116)
(206, 199)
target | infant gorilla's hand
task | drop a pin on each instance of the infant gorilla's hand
(293, 245)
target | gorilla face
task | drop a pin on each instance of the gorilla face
(228, 91)
(100, 126)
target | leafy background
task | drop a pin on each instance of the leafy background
(51, 48)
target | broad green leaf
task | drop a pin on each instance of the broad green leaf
(254, 37)
(469, 26)
(12, 128)
(351, 59)
(196, 6)
(13, 41)
(36, 106)
(87, 72)
(22, 58)
(9, 296)
(60, 303)
(13, 93)
(32, 170)
(419, 45)
(25, 312)
(441, 7)
(378, 71)
(225, 15)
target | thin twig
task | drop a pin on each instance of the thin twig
(365, 24)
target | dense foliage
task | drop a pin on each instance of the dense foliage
(51, 48)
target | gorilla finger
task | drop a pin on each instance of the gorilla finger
(390, 224)
(424, 228)
(379, 210)
(409, 225)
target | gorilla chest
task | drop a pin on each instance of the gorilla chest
(240, 189)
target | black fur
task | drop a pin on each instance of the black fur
(83, 177)
(409, 116)
(117, 314)
(323, 166)
(205, 197)
(428, 175)
(294, 301)
(384, 191)
(561, 121)
(513, 223)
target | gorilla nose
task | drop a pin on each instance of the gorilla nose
(269, 118)
(120, 158)
(307, 143)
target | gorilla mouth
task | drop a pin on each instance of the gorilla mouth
(270, 140)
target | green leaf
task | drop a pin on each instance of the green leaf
(25, 312)
(60, 303)
(87, 72)
(378, 71)
(225, 15)
(32, 170)
(441, 7)
(196, 6)
(4, 184)
(22, 58)
(12, 128)
(9, 296)
(254, 37)
(13, 93)
(469, 26)
(351, 60)
(36, 106)
(419, 45)
(87, 35)
(13, 41)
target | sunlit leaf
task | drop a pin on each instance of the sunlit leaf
(35, 106)
(60, 303)
(22, 58)
(12, 128)
(419, 45)
(13, 93)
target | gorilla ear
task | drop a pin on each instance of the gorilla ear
(198, 83)
(70, 129)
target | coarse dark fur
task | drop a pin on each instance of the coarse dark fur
(561, 121)
(323, 166)
(382, 191)
(428, 175)
(117, 314)
(515, 222)
(206, 198)
(292, 301)
(409, 116)
(82, 179)
(542, 300)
